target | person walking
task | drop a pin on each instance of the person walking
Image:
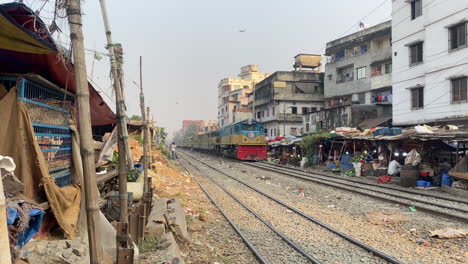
(173, 150)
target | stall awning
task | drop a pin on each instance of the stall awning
(26, 47)
(371, 123)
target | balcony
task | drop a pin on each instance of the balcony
(380, 81)
(289, 117)
(381, 55)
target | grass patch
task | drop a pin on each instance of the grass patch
(149, 245)
(189, 220)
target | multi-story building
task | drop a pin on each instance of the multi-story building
(358, 83)
(430, 56)
(233, 95)
(284, 97)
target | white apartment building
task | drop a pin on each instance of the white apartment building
(430, 61)
(233, 94)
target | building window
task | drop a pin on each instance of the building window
(417, 98)
(259, 114)
(416, 53)
(416, 9)
(268, 112)
(388, 68)
(364, 49)
(313, 109)
(273, 111)
(457, 36)
(307, 127)
(459, 90)
(305, 110)
(294, 110)
(293, 131)
(361, 73)
(263, 113)
(345, 74)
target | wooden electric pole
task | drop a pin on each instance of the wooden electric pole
(124, 252)
(144, 119)
(86, 135)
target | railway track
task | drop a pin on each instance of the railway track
(355, 244)
(443, 206)
(257, 250)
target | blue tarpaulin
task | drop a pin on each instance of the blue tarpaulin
(35, 220)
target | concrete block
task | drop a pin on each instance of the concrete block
(176, 216)
(171, 251)
(156, 223)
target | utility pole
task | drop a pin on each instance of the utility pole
(124, 253)
(86, 135)
(253, 102)
(284, 120)
(144, 119)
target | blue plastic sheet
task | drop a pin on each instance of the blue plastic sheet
(34, 225)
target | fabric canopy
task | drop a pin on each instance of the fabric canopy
(27, 47)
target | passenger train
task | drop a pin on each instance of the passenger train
(244, 140)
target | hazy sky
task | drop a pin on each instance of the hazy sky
(189, 45)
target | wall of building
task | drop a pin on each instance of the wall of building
(277, 96)
(233, 95)
(359, 50)
(439, 64)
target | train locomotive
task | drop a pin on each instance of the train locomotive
(243, 140)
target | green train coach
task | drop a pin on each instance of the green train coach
(243, 140)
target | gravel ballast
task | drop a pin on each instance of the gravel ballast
(407, 241)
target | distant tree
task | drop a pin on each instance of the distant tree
(135, 118)
(192, 130)
(162, 135)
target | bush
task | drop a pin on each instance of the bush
(310, 144)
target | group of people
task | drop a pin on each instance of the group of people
(394, 167)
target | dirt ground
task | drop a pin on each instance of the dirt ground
(213, 240)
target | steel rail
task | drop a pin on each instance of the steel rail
(279, 233)
(350, 188)
(249, 244)
(365, 183)
(310, 218)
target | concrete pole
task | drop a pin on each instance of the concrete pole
(86, 135)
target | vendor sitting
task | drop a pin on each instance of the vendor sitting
(394, 168)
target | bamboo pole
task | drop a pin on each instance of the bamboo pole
(86, 135)
(122, 231)
(4, 241)
(144, 119)
(148, 142)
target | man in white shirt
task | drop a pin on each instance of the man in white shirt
(394, 168)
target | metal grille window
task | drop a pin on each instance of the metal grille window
(416, 9)
(49, 111)
(459, 90)
(457, 36)
(361, 73)
(416, 53)
(417, 98)
(294, 110)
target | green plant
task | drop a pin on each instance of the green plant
(310, 144)
(138, 138)
(149, 244)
